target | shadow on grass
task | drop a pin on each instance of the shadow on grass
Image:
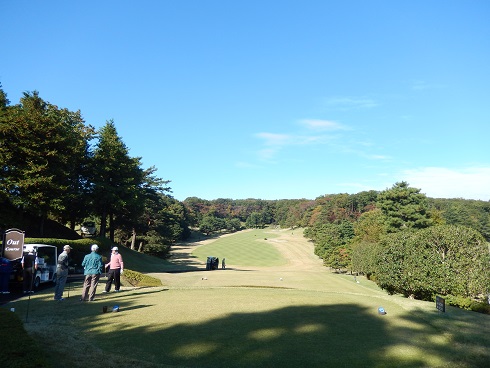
(148, 264)
(127, 309)
(134, 294)
(339, 335)
(343, 335)
(467, 334)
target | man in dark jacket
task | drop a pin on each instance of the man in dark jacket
(29, 266)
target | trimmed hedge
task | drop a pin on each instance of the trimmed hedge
(81, 247)
(468, 304)
(141, 280)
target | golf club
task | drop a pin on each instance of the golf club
(30, 290)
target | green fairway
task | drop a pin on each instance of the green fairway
(247, 248)
(275, 306)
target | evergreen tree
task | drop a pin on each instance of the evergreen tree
(404, 208)
(41, 150)
(116, 180)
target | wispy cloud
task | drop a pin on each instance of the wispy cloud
(350, 103)
(421, 85)
(246, 165)
(268, 154)
(274, 139)
(318, 132)
(273, 143)
(377, 157)
(439, 182)
(322, 125)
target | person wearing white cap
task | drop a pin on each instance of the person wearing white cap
(116, 268)
(62, 273)
(93, 266)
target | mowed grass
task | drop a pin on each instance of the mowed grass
(246, 317)
(246, 248)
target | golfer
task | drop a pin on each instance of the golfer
(116, 268)
(62, 273)
(93, 266)
(29, 266)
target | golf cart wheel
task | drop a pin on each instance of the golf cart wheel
(37, 282)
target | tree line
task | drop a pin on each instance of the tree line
(404, 241)
(56, 167)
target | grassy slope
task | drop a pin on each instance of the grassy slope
(244, 318)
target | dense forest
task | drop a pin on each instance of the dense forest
(58, 170)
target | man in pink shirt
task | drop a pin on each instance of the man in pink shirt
(116, 267)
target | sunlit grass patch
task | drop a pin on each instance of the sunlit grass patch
(247, 248)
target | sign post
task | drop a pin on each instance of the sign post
(440, 304)
(13, 244)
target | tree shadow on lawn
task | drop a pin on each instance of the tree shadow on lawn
(134, 294)
(183, 262)
(469, 333)
(342, 335)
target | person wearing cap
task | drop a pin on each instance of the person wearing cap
(29, 266)
(93, 266)
(62, 273)
(116, 267)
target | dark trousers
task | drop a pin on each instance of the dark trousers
(113, 275)
(27, 282)
(4, 282)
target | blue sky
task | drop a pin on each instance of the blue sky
(270, 99)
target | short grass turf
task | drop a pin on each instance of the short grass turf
(248, 248)
(278, 317)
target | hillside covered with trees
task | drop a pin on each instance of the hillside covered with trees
(58, 172)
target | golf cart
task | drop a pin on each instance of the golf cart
(212, 263)
(47, 257)
(88, 229)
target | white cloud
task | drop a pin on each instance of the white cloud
(316, 124)
(348, 103)
(246, 165)
(377, 157)
(273, 143)
(438, 182)
(268, 153)
(273, 139)
(420, 85)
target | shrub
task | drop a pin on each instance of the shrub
(138, 279)
(467, 303)
(447, 260)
